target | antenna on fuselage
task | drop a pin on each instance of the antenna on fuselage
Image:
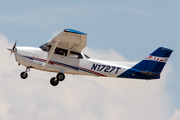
(99, 56)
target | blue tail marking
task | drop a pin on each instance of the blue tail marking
(151, 66)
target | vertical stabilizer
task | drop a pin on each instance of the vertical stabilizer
(151, 66)
(155, 62)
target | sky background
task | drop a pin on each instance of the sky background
(119, 30)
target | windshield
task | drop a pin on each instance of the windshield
(46, 47)
(86, 56)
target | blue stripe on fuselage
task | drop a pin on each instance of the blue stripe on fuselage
(65, 65)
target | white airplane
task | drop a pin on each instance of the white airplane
(63, 55)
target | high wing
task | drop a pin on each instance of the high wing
(68, 39)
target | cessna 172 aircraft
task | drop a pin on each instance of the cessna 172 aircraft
(63, 55)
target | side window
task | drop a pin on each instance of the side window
(60, 51)
(75, 55)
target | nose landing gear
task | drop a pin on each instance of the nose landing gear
(55, 80)
(24, 74)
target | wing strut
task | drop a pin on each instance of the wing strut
(51, 53)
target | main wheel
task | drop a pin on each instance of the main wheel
(60, 76)
(24, 75)
(54, 82)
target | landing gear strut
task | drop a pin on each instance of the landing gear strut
(24, 74)
(55, 80)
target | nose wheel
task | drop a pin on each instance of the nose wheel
(55, 80)
(24, 74)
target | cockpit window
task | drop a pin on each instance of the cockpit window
(86, 56)
(46, 47)
(75, 55)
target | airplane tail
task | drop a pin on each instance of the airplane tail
(151, 66)
(154, 63)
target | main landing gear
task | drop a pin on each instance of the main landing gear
(55, 80)
(24, 74)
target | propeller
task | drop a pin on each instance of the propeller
(13, 49)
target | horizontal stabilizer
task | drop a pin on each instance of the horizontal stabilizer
(149, 74)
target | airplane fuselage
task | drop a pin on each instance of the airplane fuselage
(35, 58)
